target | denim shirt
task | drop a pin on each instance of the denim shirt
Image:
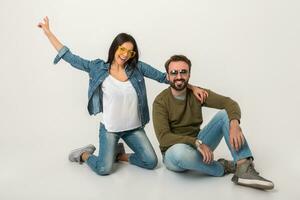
(98, 70)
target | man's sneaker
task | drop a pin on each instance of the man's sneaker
(119, 150)
(229, 166)
(246, 175)
(75, 155)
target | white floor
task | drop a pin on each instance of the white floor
(40, 170)
(248, 50)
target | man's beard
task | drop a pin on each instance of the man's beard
(181, 86)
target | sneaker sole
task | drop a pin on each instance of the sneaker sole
(253, 183)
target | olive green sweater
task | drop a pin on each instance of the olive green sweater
(178, 121)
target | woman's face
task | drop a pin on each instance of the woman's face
(124, 53)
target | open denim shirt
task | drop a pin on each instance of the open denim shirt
(98, 70)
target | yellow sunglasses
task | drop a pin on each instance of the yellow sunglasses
(130, 53)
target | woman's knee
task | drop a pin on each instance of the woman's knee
(104, 170)
(151, 162)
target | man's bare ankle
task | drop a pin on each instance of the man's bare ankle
(239, 162)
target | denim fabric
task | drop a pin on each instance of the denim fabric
(98, 70)
(182, 157)
(144, 155)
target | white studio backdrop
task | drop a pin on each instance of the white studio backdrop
(245, 49)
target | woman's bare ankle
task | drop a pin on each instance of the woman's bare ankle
(123, 157)
(85, 156)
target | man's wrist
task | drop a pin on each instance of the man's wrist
(198, 142)
(234, 122)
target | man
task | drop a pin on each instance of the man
(177, 116)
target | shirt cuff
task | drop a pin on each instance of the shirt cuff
(235, 116)
(60, 54)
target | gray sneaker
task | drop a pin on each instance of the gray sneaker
(246, 175)
(119, 150)
(229, 166)
(75, 155)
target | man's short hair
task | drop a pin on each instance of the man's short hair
(176, 58)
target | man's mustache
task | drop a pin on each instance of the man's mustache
(183, 80)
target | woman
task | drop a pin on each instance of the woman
(117, 89)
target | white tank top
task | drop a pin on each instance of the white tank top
(120, 105)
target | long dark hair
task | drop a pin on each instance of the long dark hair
(119, 40)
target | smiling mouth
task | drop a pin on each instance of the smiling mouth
(179, 81)
(124, 59)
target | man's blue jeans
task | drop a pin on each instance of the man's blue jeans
(181, 157)
(144, 155)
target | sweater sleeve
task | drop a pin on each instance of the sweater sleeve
(165, 136)
(218, 101)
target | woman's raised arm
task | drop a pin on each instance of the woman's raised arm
(52, 38)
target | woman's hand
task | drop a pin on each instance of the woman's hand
(199, 93)
(54, 41)
(45, 25)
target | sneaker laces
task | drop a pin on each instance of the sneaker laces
(228, 167)
(251, 169)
